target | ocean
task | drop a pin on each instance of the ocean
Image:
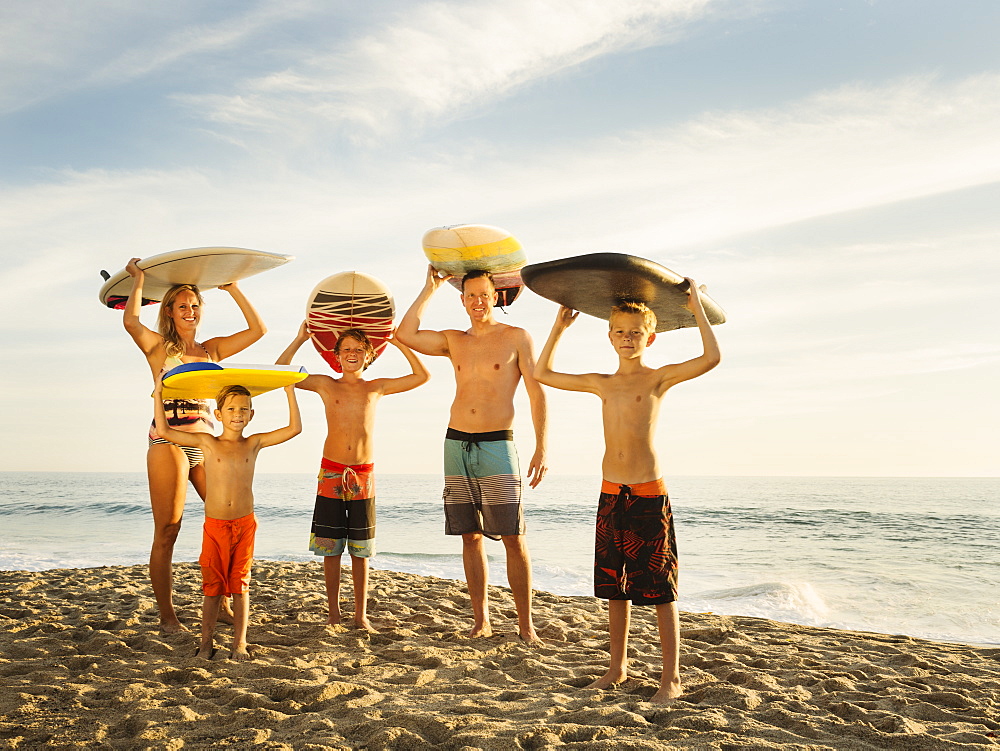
(914, 556)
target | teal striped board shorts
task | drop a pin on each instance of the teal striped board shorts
(482, 484)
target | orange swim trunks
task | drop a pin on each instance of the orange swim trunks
(226, 555)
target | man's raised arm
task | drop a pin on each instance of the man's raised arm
(426, 342)
(418, 377)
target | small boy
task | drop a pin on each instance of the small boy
(230, 524)
(635, 552)
(344, 515)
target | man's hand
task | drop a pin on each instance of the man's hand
(537, 469)
(435, 278)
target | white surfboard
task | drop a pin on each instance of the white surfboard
(206, 267)
(349, 300)
(203, 380)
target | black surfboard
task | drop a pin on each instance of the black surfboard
(595, 282)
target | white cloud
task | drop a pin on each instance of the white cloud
(652, 193)
(50, 47)
(734, 172)
(874, 324)
(441, 60)
(193, 39)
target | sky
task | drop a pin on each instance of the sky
(830, 171)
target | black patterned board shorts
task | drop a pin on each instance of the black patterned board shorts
(635, 555)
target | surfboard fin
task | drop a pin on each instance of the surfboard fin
(105, 275)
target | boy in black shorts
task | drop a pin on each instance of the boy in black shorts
(635, 553)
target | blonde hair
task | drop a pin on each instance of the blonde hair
(228, 391)
(165, 324)
(363, 339)
(630, 307)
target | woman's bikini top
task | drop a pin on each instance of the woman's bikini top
(173, 361)
(193, 415)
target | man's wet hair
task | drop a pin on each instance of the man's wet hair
(476, 274)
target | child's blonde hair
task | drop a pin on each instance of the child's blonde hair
(165, 324)
(630, 307)
(361, 337)
(228, 391)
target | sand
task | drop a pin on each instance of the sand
(82, 663)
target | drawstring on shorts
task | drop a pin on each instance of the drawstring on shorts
(624, 496)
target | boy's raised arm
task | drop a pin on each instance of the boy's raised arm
(180, 437)
(291, 430)
(310, 382)
(543, 368)
(418, 377)
(426, 342)
(301, 337)
(710, 356)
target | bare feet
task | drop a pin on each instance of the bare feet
(334, 619)
(610, 679)
(172, 627)
(481, 630)
(206, 652)
(364, 624)
(240, 654)
(667, 694)
(530, 638)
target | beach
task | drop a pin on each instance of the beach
(82, 663)
(861, 554)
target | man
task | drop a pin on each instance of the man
(482, 477)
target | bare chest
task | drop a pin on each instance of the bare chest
(633, 396)
(230, 456)
(352, 402)
(492, 357)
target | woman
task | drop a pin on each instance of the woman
(169, 466)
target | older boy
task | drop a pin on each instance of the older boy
(230, 524)
(344, 515)
(635, 552)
